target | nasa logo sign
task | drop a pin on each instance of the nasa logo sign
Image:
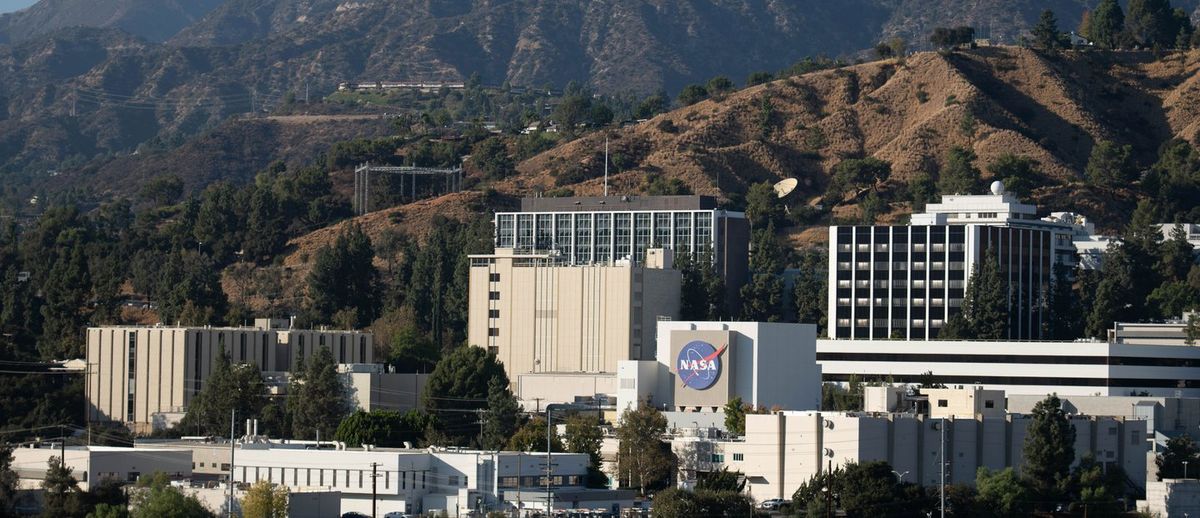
(699, 364)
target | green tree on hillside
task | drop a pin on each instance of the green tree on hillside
(1107, 24)
(1151, 22)
(762, 205)
(344, 278)
(719, 85)
(1111, 165)
(692, 94)
(1046, 34)
(959, 174)
(1049, 450)
(1020, 174)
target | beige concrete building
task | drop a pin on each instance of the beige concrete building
(783, 450)
(968, 402)
(145, 376)
(538, 314)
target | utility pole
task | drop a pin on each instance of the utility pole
(520, 460)
(374, 486)
(829, 490)
(606, 165)
(232, 441)
(549, 461)
(942, 459)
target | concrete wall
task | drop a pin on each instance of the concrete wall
(541, 389)
(399, 392)
(1172, 498)
(567, 318)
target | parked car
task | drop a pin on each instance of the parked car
(772, 505)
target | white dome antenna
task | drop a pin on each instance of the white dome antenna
(997, 187)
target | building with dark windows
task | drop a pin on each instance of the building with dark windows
(907, 281)
(145, 376)
(608, 230)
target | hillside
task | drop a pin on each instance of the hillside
(1050, 108)
(74, 97)
(155, 20)
(991, 100)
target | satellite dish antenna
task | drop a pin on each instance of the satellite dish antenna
(785, 187)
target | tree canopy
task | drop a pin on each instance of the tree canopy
(458, 388)
(1049, 450)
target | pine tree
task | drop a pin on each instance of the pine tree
(1049, 449)
(959, 175)
(762, 298)
(265, 232)
(1180, 449)
(1177, 256)
(1111, 165)
(1151, 22)
(502, 417)
(8, 482)
(1113, 295)
(344, 277)
(1046, 34)
(62, 497)
(1107, 24)
(458, 388)
(321, 402)
(985, 303)
(1066, 319)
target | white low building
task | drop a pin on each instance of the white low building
(783, 450)
(1113, 368)
(92, 464)
(425, 480)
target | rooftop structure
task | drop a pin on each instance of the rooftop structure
(612, 229)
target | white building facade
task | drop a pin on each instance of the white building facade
(907, 281)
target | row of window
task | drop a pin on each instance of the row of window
(880, 301)
(883, 322)
(347, 478)
(540, 481)
(904, 283)
(901, 265)
(604, 236)
(916, 247)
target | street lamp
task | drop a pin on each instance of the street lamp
(1185, 470)
(899, 476)
(549, 465)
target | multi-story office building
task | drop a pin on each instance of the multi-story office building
(141, 376)
(607, 230)
(538, 313)
(907, 281)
